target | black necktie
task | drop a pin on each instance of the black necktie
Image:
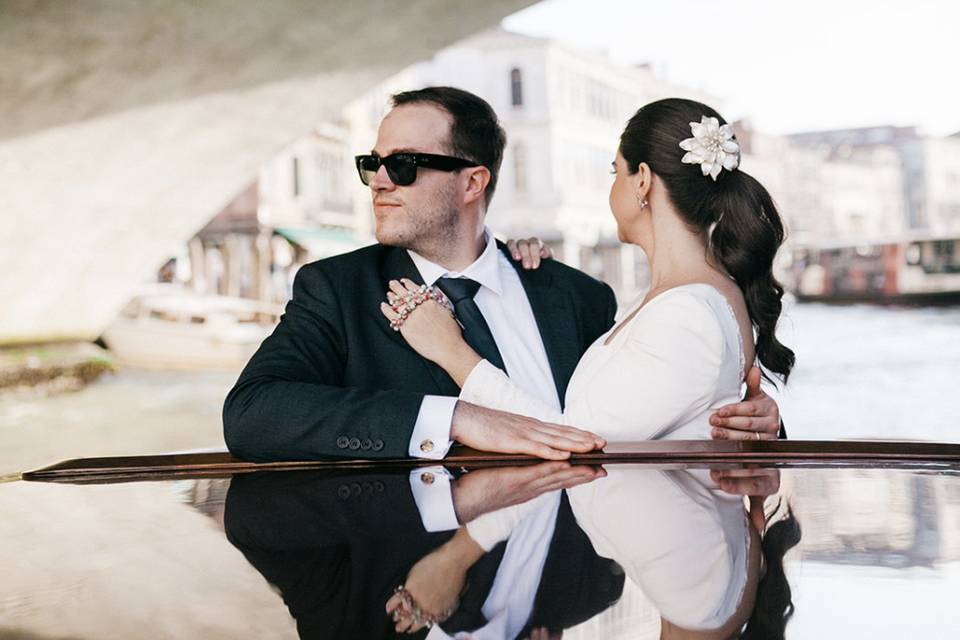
(476, 332)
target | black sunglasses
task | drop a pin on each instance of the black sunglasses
(402, 167)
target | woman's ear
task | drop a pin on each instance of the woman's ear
(644, 179)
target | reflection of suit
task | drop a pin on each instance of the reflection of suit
(336, 546)
(334, 380)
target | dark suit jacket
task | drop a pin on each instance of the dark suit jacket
(334, 380)
(336, 545)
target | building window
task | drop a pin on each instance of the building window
(296, 176)
(516, 88)
(519, 168)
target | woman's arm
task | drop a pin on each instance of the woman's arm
(431, 330)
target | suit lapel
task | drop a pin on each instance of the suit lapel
(396, 265)
(556, 321)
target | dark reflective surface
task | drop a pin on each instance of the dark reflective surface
(549, 550)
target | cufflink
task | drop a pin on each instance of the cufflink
(426, 478)
(426, 446)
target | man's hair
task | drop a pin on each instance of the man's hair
(475, 133)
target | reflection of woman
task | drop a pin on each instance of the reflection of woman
(691, 549)
(710, 232)
(688, 546)
(687, 543)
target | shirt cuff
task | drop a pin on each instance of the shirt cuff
(431, 433)
(434, 498)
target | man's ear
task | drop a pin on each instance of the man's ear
(477, 181)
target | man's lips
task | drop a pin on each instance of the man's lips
(386, 205)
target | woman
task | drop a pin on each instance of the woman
(710, 233)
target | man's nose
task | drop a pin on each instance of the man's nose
(381, 181)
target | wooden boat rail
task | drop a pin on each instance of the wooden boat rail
(693, 453)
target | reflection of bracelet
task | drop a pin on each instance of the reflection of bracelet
(410, 301)
(410, 609)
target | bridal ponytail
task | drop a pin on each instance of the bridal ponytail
(734, 213)
(745, 240)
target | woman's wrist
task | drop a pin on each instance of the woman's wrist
(461, 363)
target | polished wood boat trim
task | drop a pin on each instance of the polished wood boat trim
(804, 453)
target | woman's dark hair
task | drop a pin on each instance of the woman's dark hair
(475, 133)
(774, 606)
(746, 228)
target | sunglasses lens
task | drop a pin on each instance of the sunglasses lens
(402, 170)
(367, 166)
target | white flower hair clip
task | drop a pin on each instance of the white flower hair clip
(712, 147)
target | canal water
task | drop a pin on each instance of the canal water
(862, 372)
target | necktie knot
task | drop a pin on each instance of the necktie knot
(458, 289)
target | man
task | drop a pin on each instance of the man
(335, 380)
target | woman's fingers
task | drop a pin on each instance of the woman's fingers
(388, 311)
(393, 603)
(410, 285)
(398, 288)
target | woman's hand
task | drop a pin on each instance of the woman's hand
(529, 252)
(432, 331)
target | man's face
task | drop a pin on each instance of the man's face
(424, 214)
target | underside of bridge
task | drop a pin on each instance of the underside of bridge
(127, 125)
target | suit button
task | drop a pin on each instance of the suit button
(426, 446)
(377, 444)
(368, 488)
(378, 486)
(343, 442)
(355, 488)
(354, 443)
(366, 443)
(343, 491)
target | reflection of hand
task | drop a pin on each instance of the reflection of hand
(529, 252)
(485, 490)
(757, 414)
(500, 432)
(543, 633)
(435, 582)
(755, 483)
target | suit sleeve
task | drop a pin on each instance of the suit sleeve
(290, 403)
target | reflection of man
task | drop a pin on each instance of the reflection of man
(337, 546)
(335, 380)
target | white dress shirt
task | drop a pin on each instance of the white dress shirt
(504, 305)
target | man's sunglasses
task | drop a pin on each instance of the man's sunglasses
(402, 167)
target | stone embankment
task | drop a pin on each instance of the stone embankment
(51, 369)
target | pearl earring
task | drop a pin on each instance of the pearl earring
(642, 203)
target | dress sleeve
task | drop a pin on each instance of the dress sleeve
(489, 386)
(661, 370)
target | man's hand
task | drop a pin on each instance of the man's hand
(485, 490)
(496, 431)
(529, 252)
(757, 414)
(755, 483)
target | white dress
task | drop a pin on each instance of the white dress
(670, 366)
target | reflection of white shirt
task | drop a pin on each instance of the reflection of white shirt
(504, 305)
(528, 529)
